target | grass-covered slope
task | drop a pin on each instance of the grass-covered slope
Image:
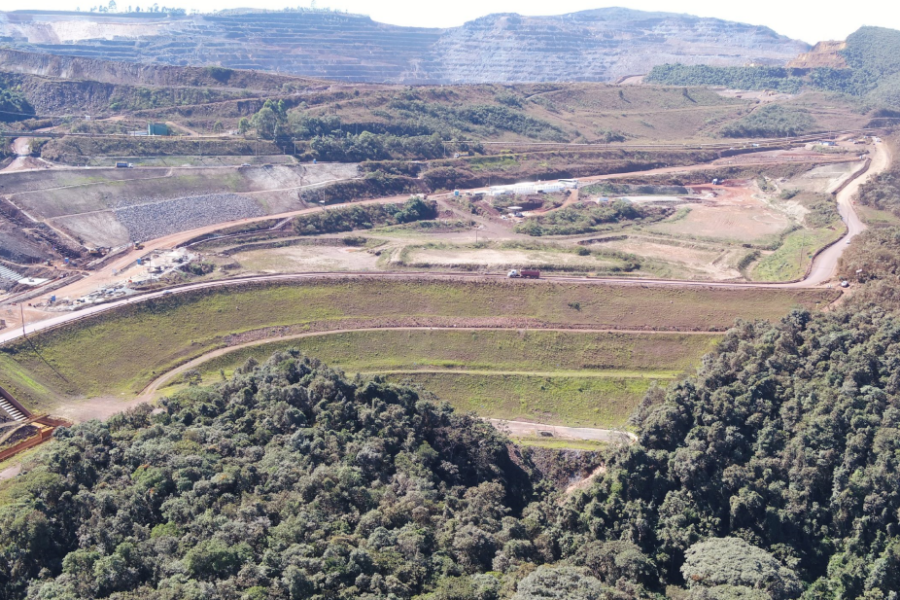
(567, 378)
(123, 351)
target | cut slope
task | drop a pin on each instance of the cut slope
(597, 45)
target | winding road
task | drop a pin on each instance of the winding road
(821, 270)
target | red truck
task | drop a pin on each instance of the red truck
(525, 273)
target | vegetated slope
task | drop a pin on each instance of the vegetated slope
(598, 45)
(65, 85)
(289, 481)
(125, 350)
(147, 75)
(787, 438)
(14, 106)
(770, 473)
(868, 65)
(71, 97)
(874, 256)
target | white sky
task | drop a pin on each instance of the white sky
(807, 20)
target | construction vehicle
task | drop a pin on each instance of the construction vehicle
(138, 245)
(524, 273)
(98, 251)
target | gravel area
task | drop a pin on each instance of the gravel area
(157, 219)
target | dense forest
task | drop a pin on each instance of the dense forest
(770, 474)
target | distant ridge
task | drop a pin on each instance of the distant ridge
(594, 45)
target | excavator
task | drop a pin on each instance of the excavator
(98, 251)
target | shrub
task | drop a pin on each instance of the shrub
(581, 218)
(732, 561)
(771, 120)
(364, 217)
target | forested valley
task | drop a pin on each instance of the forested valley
(773, 472)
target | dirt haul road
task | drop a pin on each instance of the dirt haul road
(825, 265)
(84, 313)
(822, 270)
(526, 429)
(115, 270)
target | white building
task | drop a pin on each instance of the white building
(528, 189)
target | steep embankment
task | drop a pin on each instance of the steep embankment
(597, 45)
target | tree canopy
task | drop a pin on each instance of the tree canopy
(771, 474)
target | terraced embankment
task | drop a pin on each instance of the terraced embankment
(115, 355)
(111, 207)
(577, 378)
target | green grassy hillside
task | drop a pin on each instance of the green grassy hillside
(557, 377)
(121, 352)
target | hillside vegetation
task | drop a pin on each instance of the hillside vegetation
(768, 475)
(13, 105)
(772, 120)
(740, 78)
(365, 217)
(125, 350)
(872, 54)
(581, 218)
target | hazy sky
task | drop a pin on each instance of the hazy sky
(802, 19)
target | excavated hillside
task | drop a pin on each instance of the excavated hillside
(823, 54)
(124, 73)
(598, 45)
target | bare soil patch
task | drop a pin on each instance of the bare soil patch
(307, 258)
(735, 213)
(504, 258)
(697, 260)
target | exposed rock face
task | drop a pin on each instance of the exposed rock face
(597, 45)
(126, 73)
(823, 54)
